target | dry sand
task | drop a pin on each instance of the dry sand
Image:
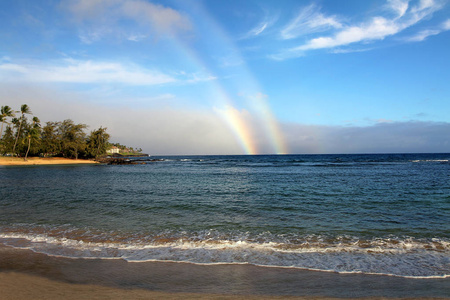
(15, 161)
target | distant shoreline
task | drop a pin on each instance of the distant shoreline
(31, 161)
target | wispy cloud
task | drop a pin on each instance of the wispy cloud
(136, 37)
(399, 7)
(199, 77)
(424, 34)
(261, 27)
(231, 60)
(78, 71)
(100, 17)
(375, 29)
(94, 72)
(309, 20)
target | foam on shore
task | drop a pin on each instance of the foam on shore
(237, 280)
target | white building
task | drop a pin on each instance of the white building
(112, 150)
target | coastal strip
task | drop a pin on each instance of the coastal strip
(15, 285)
(31, 161)
(25, 274)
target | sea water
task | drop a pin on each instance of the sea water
(384, 214)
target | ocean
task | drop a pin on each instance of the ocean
(378, 216)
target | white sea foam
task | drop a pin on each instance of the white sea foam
(430, 160)
(409, 257)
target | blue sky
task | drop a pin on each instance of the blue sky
(235, 77)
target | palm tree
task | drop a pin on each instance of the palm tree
(6, 112)
(24, 109)
(33, 133)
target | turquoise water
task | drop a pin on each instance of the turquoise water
(371, 214)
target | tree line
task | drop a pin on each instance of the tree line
(25, 136)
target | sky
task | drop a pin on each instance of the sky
(198, 77)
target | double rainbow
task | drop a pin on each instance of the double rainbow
(240, 121)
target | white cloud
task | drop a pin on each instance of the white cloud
(94, 72)
(398, 6)
(162, 18)
(88, 9)
(424, 34)
(199, 77)
(352, 50)
(446, 25)
(259, 29)
(100, 18)
(377, 28)
(77, 71)
(309, 20)
(136, 37)
(263, 26)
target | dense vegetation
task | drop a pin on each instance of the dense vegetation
(25, 136)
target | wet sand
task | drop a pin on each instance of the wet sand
(31, 161)
(24, 287)
(28, 275)
(27, 287)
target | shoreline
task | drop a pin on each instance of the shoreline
(34, 161)
(25, 274)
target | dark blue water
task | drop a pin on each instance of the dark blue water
(374, 214)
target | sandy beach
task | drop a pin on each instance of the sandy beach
(15, 285)
(25, 274)
(24, 286)
(31, 161)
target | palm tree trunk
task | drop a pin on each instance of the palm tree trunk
(29, 145)
(17, 137)
(1, 131)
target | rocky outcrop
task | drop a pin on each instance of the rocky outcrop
(125, 161)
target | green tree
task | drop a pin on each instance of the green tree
(6, 112)
(33, 134)
(50, 140)
(73, 138)
(24, 109)
(8, 140)
(97, 142)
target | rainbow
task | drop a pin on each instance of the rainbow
(238, 120)
(240, 129)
